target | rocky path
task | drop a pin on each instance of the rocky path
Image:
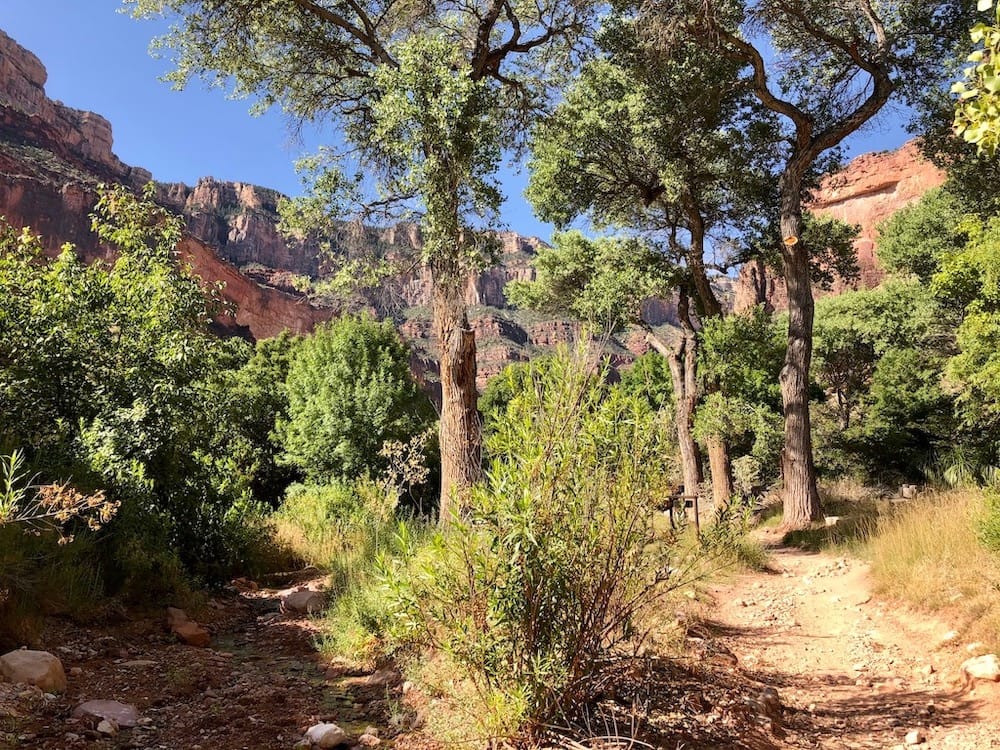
(260, 683)
(852, 671)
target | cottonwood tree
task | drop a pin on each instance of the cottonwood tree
(676, 149)
(427, 96)
(825, 69)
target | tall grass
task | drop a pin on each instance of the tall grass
(930, 554)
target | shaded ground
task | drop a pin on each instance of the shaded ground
(803, 657)
(259, 685)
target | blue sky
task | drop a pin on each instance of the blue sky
(98, 60)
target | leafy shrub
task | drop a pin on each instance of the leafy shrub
(350, 390)
(543, 580)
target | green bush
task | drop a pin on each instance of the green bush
(350, 390)
(544, 579)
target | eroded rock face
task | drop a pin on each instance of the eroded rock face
(51, 159)
(867, 192)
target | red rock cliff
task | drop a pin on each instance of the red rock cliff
(51, 160)
(866, 192)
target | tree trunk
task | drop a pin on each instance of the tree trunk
(682, 359)
(460, 430)
(718, 449)
(722, 471)
(801, 497)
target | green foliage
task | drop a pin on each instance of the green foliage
(350, 390)
(502, 388)
(916, 239)
(989, 522)
(977, 111)
(649, 378)
(645, 141)
(253, 399)
(602, 282)
(879, 357)
(740, 356)
(108, 376)
(545, 578)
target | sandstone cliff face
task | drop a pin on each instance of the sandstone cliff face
(866, 192)
(51, 160)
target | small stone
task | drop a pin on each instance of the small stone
(38, 668)
(407, 687)
(974, 647)
(948, 637)
(859, 667)
(369, 740)
(108, 727)
(982, 668)
(76, 671)
(373, 731)
(122, 714)
(139, 663)
(915, 737)
(71, 737)
(326, 735)
(304, 744)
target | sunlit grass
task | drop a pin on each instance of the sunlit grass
(928, 554)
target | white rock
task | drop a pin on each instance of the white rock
(982, 668)
(915, 737)
(122, 714)
(326, 735)
(974, 647)
(303, 602)
(38, 668)
(175, 616)
(369, 740)
(107, 727)
(948, 637)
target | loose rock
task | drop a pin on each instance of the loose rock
(192, 634)
(915, 737)
(38, 668)
(303, 601)
(122, 714)
(326, 735)
(982, 668)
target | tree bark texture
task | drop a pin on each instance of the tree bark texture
(800, 497)
(460, 429)
(722, 471)
(682, 359)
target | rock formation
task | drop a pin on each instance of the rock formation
(866, 192)
(52, 158)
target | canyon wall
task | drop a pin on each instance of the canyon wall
(866, 192)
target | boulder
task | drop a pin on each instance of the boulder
(192, 634)
(38, 668)
(326, 735)
(175, 617)
(982, 668)
(122, 714)
(303, 601)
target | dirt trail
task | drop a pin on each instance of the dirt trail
(852, 670)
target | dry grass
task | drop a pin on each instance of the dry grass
(928, 554)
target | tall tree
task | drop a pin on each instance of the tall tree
(671, 148)
(427, 95)
(837, 65)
